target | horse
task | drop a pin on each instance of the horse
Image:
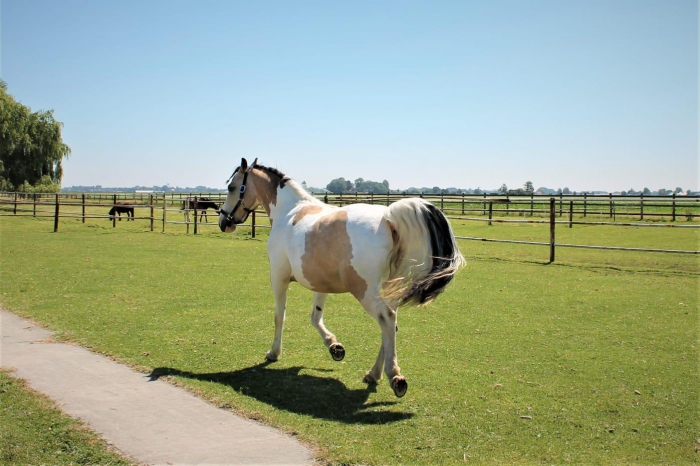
(385, 257)
(121, 208)
(201, 205)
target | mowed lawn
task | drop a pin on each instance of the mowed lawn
(592, 359)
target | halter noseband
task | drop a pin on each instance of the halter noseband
(229, 215)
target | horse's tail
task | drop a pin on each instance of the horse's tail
(425, 256)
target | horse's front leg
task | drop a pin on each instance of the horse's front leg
(336, 349)
(280, 284)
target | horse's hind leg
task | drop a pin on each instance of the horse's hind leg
(336, 349)
(386, 318)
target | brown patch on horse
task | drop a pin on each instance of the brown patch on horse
(326, 262)
(265, 188)
(304, 211)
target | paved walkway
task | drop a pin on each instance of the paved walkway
(151, 421)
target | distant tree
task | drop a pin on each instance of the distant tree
(663, 192)
(386, 183)
(528, 187)
(678, 190)
(435, 190)
(646, 191)
(566, 191)
(358, 183)
(31, 147)
(338, 185)
(45, 185)
(503, 189)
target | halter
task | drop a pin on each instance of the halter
(229, 215)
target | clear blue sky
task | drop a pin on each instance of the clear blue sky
(586, 94)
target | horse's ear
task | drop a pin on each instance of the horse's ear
(255, 162)
(244, 164)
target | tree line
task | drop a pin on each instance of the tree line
(341, 186)
(31, 148)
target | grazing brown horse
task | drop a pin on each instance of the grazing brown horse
(121, 208)
(405, 253)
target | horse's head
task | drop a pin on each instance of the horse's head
(241, 199)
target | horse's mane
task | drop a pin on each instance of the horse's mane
(273, 171)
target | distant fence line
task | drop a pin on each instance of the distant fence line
(161, 209)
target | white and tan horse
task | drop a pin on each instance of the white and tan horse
(384, 256)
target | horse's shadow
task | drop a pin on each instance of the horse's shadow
(311, 395)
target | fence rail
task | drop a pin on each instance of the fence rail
(590, 209)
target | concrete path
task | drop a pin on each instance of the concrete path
(153, 422)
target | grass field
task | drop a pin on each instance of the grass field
(592, 359)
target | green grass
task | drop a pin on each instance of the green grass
(592, 359)
(34, 431)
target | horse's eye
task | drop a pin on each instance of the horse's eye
(231, 188)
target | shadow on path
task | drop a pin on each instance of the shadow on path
(320, 397)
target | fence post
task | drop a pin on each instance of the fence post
(55, 218)
(252, 224)
(442, 202)
(584, 204)
(561, 201)
(673, 214)
(196, 201)
(507, 204)
(165, 204)
(552, 226)
(490, 211)
(641, 206)
(151, 204)
(14, 209)
(571, 214)
(83, 207)
(34, 214)
(462, 203)
(532, 204)
(114, 212)
(611, 206)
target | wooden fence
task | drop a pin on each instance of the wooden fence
(166, 210)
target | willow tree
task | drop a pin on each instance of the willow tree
(31, 148)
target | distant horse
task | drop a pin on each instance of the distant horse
(201, 205)
(120, 209)
(405, 253)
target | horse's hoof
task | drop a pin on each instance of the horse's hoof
(399, 385)
(337, 351)
(270, 356)
(368, 379)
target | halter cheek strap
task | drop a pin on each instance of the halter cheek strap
(241, 190)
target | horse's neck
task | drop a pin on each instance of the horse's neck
(288, 197)
(279, 196)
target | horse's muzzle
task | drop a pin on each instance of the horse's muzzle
(226, 224)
